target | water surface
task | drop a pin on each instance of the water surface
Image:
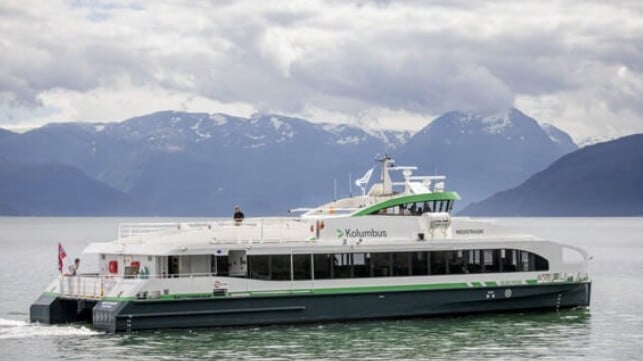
(611, 329)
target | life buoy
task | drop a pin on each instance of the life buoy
(113, 266)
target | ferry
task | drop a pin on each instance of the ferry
(392, 252)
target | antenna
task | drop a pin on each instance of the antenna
(335, 189)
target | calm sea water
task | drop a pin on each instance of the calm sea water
(611, 329)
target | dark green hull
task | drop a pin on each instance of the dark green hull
(264, 310)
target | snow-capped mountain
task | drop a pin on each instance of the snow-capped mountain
(196, 163)
(481, 155)
(176, 163)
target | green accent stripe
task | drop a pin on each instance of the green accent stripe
(328, 291)
(437, 196)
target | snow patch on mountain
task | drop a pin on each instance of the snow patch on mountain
(196, 127)
(549, 129)
(594, 140)
(175, 120)
(349, 140)
(392, 139)
(560, 138)
(218, 119)
(276, 123)
(205, 135)
(496, 123)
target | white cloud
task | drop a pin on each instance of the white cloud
(384, 64)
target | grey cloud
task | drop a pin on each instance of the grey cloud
(390, 62)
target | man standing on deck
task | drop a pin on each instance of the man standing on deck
(73, 269)
(238, 215)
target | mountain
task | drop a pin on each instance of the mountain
(393, 139)
(177, 163)
(195, 164)
(481, 155)
(6, 133)
(562, 140)
(54, 189)
(598, 180)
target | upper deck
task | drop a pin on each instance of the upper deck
(410, 195)
(253, 234)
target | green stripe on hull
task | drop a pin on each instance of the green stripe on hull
(331, 291)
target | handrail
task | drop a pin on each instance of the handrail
(142, 276)
(230, 231)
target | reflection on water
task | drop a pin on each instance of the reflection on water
(505, 336)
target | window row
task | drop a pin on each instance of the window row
(417, 208)
(359, 265)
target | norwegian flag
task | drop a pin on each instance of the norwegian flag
(61, 256)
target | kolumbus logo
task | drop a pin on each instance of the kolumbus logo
(358, 233)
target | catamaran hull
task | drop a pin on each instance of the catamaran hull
(263, 310)
(51, 310)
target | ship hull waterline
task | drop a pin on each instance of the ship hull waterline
(127, 316)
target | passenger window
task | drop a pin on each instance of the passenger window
(322, 264)
(381, 264)
(401, 264)
(361, 265)
(301, 266)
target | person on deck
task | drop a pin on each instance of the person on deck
(238, 215)
(73, 269)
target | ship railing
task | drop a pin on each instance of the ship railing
(249, 230)
(96, 287)
(87, 286)
(128, 230)
(261, 230)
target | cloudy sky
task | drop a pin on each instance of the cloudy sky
(379, 64)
